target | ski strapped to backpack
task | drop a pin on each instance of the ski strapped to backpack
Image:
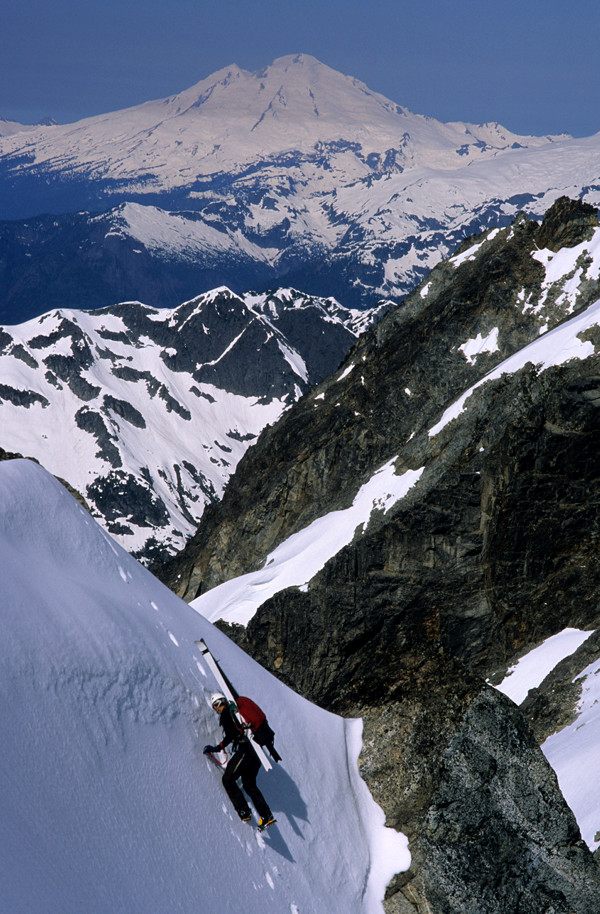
(228, 692)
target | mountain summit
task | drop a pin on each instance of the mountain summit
(294, 175)
(235, 117)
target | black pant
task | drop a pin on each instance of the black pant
(245, 764)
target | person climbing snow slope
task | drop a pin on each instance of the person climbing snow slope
(244, 764)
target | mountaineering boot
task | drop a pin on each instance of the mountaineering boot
(245, 815)
(265, 822)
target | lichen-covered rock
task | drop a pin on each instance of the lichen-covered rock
(489, 829)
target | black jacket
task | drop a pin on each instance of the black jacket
(232, 730)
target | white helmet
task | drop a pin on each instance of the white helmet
(216, 698)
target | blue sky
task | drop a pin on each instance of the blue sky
(532, 65)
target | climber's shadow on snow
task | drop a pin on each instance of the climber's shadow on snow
(286, 802)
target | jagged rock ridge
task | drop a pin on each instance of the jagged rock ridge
(486, 382)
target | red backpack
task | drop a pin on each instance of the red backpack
(252, 714)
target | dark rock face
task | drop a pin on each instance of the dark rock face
(494, 549)
(488, 829)
(452, 566)
(567, 223)
(405, 372)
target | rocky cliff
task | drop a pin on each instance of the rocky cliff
(487, 382)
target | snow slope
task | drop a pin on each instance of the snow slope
(573, 753)
(107, 802)
(8, 128)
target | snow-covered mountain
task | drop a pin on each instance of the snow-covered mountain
(409, 529)
(108, 804)
(7, 128)
(294, 174)
(235, 117)
(147, 412)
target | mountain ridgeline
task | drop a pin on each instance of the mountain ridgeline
(294, 175)
(100, 397)
(486, 380)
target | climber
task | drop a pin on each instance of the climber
(244, 764)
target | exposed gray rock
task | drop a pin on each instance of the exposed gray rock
(124, 410)
(488, 828)
(567, 223)
(122, 498)
(20, 397)
(89, 420)
(398, 379)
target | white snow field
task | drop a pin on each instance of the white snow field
(572, 751)
(531, 669)
(295, 561)
(106, 800)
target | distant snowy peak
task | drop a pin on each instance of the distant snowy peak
(319, 102)
(234, 117)
(293, 175)
(8, 128)
(147, 411)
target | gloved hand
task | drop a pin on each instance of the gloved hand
(209, 749)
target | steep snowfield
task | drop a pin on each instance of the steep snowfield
(107, 802)
(573, 753)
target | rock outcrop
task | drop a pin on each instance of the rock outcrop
(392, 386)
